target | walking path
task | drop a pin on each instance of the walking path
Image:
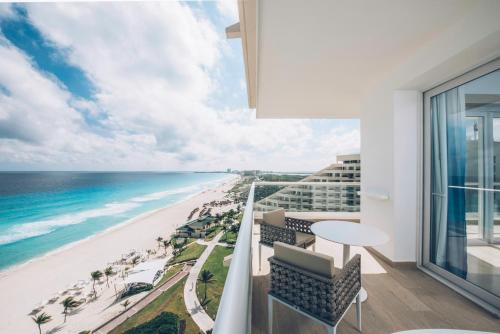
(206, 243)
(115, 322)
(193, 306)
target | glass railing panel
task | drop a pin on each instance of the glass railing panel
(235, 307)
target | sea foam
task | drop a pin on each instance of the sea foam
(37, 228)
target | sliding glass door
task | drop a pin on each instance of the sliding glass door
(462, 183)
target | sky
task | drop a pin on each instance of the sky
(141, 86)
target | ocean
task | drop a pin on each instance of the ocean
(43, 211)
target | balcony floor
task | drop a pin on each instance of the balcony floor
(398, 299)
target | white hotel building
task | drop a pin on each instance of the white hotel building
(341, 193)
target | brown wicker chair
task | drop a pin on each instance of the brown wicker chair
(308, 283)
(276, 227)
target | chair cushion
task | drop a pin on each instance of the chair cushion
(304, 238)
(276, 217)
(305, 259)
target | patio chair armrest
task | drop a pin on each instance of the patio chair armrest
(299, 225)
(347, 285)
(271, 233)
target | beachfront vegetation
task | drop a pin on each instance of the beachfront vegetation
(206, 277)
(171, 300)
(215, 265)
(229, 236)
(69, 303)
(96, 276)
(170, 272)
(41, 319)
(135, 260)
(125, 304)
(239, 192)
(212, 232)
(159, 240)
(135, 288)
(108, 272)
(189, 253)
(165, 323)
(166, 243)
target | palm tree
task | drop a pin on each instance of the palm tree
(206, 277)
(178, 247)
(68, 303)
(96, 275)
(135, 260)
(165, 244)
(108, 272)
(41, 319)
(125, 304)
(224, 230)
(159, 240)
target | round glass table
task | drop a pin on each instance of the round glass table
(349, 234)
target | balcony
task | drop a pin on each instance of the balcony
(401, 297)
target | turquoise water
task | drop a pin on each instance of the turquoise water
(42, 211)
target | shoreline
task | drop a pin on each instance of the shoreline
(13, 268)
(23, 286)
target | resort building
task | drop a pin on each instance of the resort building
(341, 193)
(423, 78)
(196, 228)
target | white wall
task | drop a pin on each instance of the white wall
(407, 108)
(391, 120)
(377, 167)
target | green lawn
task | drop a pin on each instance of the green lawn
(190, 240)
(229, 236)
(171, 271)
(214, 290)
(170, 301)
(191, 252)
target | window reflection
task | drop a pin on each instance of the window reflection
(465, 181)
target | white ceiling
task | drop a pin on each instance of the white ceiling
(319, 58)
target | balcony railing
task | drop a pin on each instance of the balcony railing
(235, 308)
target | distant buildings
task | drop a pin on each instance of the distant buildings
(341, 193)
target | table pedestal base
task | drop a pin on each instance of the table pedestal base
(363, 294)
(346, 255)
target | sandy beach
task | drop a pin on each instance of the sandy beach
(24, 286)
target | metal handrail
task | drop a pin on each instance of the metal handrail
(235, 308)
(306, 183)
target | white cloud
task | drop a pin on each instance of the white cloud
(228, 9)
(154, 69)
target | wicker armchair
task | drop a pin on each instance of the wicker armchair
(277, 227)
(307, 282)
